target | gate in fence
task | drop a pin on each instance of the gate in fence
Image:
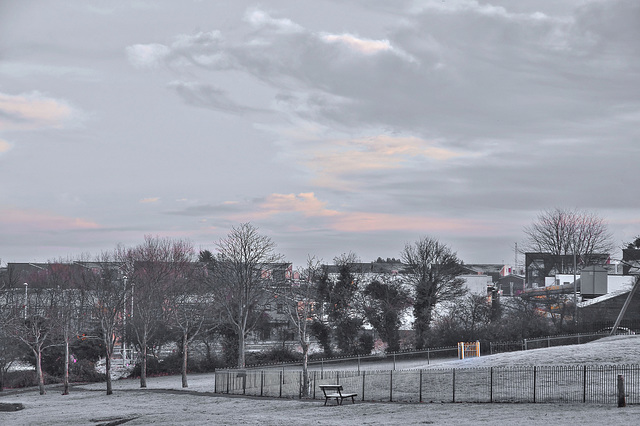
(468, 350)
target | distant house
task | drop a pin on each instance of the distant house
(541, 265)
(493, 270)
(510, 285)
(477, 284)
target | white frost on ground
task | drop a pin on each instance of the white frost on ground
(165, 402)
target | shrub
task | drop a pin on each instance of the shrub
(273, 355)
(85, 371)
(25, 378)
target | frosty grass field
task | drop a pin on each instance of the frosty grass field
(165, 402)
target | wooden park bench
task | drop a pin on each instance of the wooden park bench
(335, 391)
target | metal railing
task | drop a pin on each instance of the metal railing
(359, 361)
(546, 342)
(533, 384)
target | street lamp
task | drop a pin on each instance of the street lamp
(124, 331)
(26, 299)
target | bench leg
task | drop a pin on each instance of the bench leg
(353, 401)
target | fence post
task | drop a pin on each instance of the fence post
(301, 385)
(261, 382)
(358, 365)
(491, 386)
(621, 398)
(363, 375)
(428, 352)
(281, 382)
(314, 384)
(534, 384)
(525, 344)
(394, 361)
(391, 386)
(454, 385)
(228, 379)
(584, 384)
(420, 391)
(548, 342)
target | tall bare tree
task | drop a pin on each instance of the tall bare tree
(300, 303)
(34, 326)
(190, 306)
(153, 267)
(432, 269)
(106, 291)
(561, 232)
(66, 286)
(237, 280)
(10, 353)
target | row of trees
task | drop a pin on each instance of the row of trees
(133, 295)
(138, 294)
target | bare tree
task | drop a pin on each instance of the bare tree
(152, 268)
(190, 306)
(33, 326)
(299, 301)
(237, 280)
(561, 232)
(432, 269)
(9, 351)
(65, 285)
(104, 283)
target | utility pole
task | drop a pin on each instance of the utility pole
(26, 299)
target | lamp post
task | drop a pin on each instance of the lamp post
(26, 299)
(124, 320)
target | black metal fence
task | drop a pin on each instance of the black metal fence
(547, 342)
(388, 360)
(533, 384)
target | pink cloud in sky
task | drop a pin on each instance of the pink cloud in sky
(361, 45)
(32, 110)
(367, 222)
(305, 203)
(4, 146)
(17, 220)
(381, 152)
(149, 200)
(309, 206)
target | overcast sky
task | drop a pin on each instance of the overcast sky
(331, 125)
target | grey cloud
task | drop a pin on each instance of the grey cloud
(207, 96)
(208, 210)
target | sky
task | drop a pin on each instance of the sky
(332, 126)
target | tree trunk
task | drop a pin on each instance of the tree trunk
(39, 373)
(107, 369)
(143, 366)
(185, 345)
(305, 369)
(65, 390)
(241, 345)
